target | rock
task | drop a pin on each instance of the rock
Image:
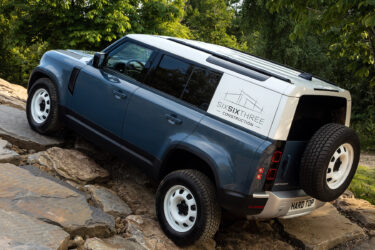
(347, 194)
(108, 201)
(139, 197)
(18, 231)
(77, 243)
(12, 95)
(114, 243)
(72, 165)
(15, 129)
(324, 228)
(147, 233)
(249, 234)
(359, 210)
(31, 192)
(366, 245)
(41, 161)
(6, 154)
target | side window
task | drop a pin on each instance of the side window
(201, 87)
(130, 59)
(171, 76)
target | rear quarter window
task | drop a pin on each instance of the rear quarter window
(201, 87)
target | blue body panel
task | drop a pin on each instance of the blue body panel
(235, 153)
(101, 98)
(150, 125)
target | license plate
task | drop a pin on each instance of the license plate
(297, 205)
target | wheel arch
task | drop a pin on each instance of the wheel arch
(181, 153)
(39, 73)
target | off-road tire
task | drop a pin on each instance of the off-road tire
(317, 155)
(52, 123)
(209, 211)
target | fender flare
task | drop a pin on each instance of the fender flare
(200, 154)
(41, 71)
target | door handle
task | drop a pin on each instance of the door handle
(119, 95)
(173, 119)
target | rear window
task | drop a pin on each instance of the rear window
(201, 87)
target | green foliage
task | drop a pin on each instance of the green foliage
(363, 184)
(163, 17)
(210, 21)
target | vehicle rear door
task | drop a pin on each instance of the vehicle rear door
(169, 106)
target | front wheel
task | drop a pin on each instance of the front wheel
(42, 107)
(187, 208)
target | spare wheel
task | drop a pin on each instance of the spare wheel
(329, 162)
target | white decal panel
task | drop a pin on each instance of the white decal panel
(245, 104)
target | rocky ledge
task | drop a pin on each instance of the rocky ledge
(64, 193)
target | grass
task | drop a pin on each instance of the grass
(363, 184)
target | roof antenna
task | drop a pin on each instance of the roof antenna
(306, 76)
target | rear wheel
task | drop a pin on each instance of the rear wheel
(187, 208)
(329, 162)
(42, 107)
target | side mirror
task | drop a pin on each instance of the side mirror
(99, 59)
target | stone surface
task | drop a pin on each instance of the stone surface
(15, 129)
(71, 164)
(114, 243)
(249, 234)
(6, 154)
(18, 231)
(108, 201)
(324, 228)
(365, 245)
(33, 193)
(133, 186)
(147, 233)
(359, 210)
(12, 95)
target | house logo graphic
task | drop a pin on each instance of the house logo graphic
(244, 100)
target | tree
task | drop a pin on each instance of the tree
(210, 20)
(162, 17)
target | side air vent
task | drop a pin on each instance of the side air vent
(73, 79)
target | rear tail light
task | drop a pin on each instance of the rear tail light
(277, 156)
(274, 162)
(271, 175)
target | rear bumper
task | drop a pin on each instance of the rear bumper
(279, 203)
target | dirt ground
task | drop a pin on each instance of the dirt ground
(367, 159)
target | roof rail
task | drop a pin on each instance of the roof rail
(262, 71)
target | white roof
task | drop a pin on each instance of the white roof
(298, 86)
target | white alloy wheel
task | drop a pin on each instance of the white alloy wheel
(180, 208)
(340, 165)
(40, 105)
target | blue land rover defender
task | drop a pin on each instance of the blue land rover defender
(217, 127)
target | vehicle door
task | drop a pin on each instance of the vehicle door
(101, 96)
(166, 109)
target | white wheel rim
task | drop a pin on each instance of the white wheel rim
(180, 208)
(40, 105)
(339, 166)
